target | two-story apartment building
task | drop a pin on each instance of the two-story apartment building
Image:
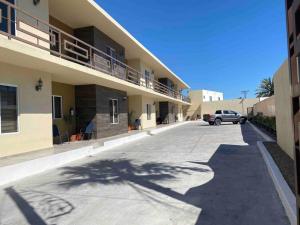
(67, 65)
(293, 37)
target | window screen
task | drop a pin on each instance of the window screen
(8, 109)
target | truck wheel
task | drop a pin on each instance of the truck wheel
(211, 123)
(243, 120)
(235, 122)
(218, 122)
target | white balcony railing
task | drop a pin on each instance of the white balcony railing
(20, 25)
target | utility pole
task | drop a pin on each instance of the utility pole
(244, 93)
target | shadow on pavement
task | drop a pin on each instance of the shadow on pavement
(240, 193)
(39, 208)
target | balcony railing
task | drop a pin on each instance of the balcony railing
(20, 25)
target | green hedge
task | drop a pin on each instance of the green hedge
(269, 123)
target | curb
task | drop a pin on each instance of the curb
(286, 196)
(163, 129)
(264, 135)
(28, 168)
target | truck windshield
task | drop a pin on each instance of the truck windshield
(218, 112)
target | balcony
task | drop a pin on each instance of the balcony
(20, 25)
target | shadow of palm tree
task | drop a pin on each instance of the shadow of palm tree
(231, 197)
(40, 208)
(123, 171)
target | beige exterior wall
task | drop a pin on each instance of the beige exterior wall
(26, 23)
(140, 66)
(234, 104)
(180, 113)
(145, 122)
(199, 106)
(195, 108)
(266, 107)
(137, 107)
(40, 10)
(67, 92)
(34, 111)
(283, 104)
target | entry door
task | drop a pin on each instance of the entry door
(4, 20)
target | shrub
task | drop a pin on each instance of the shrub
(268, 123)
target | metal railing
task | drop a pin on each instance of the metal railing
(20, 25)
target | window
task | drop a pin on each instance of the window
(204, 97)
(219, 98)
(218, 112)
(210, 98)
(57, 107)
(114, 111)
(148, 112)
(226, 112)
(5, 21)
(111, 52)
(147, 78)
(8, 109)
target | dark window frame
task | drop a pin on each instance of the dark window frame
(114, 111)
(53, 107)
(16, 105)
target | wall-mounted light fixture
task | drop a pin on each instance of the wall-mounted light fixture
(72, 111)
(39, 85)
(35, 2)
(124, 98)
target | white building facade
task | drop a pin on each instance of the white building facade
(211, 96)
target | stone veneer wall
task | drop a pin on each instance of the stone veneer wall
(92, 104)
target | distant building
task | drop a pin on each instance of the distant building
(207, 96)
(207, 102)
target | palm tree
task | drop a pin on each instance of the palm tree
(266, 88)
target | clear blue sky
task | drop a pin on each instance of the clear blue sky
(225, 46)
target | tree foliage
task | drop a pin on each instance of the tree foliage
(266, 88)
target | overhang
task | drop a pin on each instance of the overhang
(82, 13)
(23, 55)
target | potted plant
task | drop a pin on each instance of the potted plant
(131, 121)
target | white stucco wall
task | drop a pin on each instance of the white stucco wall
(212, 96)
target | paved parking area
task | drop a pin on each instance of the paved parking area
(192, 175)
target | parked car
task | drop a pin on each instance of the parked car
(224, 116)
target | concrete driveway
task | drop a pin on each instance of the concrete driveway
(192, 175)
